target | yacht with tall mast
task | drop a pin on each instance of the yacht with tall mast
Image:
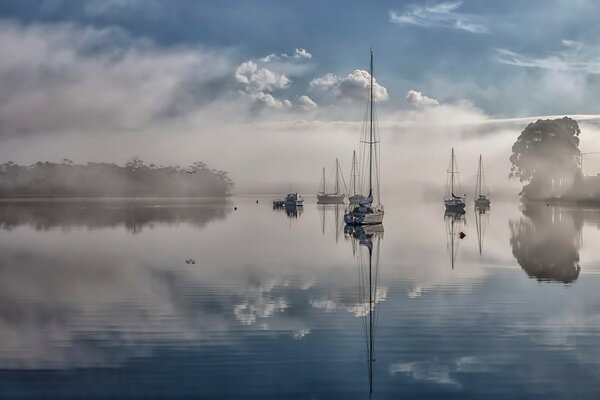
(481, 192)
(354, 195)
(369, 211)
(336, 197)
(451, 200)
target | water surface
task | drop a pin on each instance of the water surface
(189, 298)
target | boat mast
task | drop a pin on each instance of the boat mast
(337, 170)
(323, 179)
(354, 173)
(478, 184)
(371, 130)
(452, 173)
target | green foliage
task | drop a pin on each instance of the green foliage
(110, 180)
(546, 151)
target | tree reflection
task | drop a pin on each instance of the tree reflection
(546, 242)
(133, 214)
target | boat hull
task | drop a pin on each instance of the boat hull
(482, 202)
(454, 204)
(325, 198)
(364, 216)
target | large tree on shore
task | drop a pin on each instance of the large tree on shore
(546, 155)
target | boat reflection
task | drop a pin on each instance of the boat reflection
(547, 240)
(333, 212)
(455, 223)
(291, 210)
(482, 217)
(366, 244)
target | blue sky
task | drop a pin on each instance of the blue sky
(448, 49)
(110, 79)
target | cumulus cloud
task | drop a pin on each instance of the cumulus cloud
(259, 82)
(355, 87)
(418, 99)
(325, 82)
(441, 15)
(307, 103)
(258, 79)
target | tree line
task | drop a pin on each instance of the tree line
(134, 179)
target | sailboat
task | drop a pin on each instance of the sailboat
(331, 198)
(481, 199)
(452, 201)
(367, 211)
(354, 196)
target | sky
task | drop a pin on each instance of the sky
(271, 91)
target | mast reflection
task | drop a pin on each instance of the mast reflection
(455, 222)
(482, 217)
(366, 245)
(338, 223)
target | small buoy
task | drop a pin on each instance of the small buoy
(235, 208)
(462, 235)
(256, 201)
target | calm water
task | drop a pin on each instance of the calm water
(191, 299)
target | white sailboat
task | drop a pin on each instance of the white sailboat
(451, 200)
(369, 211)
(354, 196)
(337, 197)
(481, 192)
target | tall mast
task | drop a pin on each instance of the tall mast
(323, 179)
(354, 172)
(452, 173)
(371, 130)
(478, 188)
(337, 170)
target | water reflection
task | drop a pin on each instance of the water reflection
(368, 239)
(133, 214)
(547, 240)
(455, 222)
(291, 210)
(332, 217)
(482, 217)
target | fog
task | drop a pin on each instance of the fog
(100, 95)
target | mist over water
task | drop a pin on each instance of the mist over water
(107, 294)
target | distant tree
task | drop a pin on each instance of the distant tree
(546, 155)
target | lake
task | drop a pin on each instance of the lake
(190, 298)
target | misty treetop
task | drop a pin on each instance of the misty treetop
(67, 179)
(546, 155)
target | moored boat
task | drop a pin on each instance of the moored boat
(369, 211)
(451, 200)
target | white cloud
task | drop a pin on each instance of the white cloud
(325, 82)
(268, 100)
(307, 103)
(258, 79)
(355, 87)
(418, 99)
(575, 57)
(259, 82)
(299, 53)
(441, 15)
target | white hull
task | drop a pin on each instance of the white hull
(364, 216)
